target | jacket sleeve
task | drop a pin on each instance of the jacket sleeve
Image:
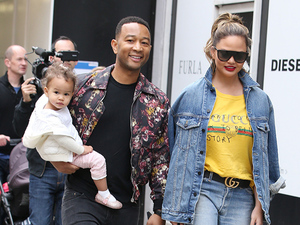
(69, 144)
(21, 117)
(276, 181)
(161, 160)
(171, 130)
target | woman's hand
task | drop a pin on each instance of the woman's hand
(257, 216)
(257, 213)
(155, 220)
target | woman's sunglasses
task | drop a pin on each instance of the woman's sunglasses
(225, 55)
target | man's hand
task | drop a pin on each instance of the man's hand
(65, 167)
(155, 220)
(4, 139)
(28, 89)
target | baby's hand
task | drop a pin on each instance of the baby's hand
(87, 149)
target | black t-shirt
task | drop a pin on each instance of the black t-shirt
(111, 138)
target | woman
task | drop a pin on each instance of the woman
(224, 159)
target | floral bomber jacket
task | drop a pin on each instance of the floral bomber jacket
(149, 142)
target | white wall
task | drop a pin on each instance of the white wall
(161, 43)
(6, 24)
(194, 20)
(27, 23)
(193, 26)
(282, 85)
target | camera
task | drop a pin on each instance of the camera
(41, 64)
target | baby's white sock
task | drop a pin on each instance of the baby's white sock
(105, 194)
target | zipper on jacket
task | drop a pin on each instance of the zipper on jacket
(132, 168)
(92, 113)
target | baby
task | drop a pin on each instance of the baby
(51, 132)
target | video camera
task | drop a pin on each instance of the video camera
(41, 64)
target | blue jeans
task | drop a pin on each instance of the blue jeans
(45, 197)
(78, 209)
(220, 205)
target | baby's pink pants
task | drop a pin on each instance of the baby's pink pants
(93, 160)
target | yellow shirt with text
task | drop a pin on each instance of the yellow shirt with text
(229, 138)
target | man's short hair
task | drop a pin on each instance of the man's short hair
(10, 51)
(130, 19)
(63, 38)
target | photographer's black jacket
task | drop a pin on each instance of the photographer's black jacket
(8, 100)
(22, 114)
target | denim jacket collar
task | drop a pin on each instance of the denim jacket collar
(246, 80)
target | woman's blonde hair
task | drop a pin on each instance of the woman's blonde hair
(226, 24)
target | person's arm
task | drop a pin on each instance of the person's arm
(68, 143)
(25, 107)
(257, 213)
(155, 220)
(276, 181)
(72, 145)
(171, 135)
(21, 117)
(159, 175)
(4, 139)
(66, 167)
(28, 89)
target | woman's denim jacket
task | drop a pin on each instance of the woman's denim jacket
(188, 122)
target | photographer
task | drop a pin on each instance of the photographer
(10, 95)
(46, 183)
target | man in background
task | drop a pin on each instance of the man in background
(10, 96)
(46, 185)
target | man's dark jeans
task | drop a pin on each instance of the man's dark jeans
(78, 209)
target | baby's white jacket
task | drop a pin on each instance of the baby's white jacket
(52, 133)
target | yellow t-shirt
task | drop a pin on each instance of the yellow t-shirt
(229, 138)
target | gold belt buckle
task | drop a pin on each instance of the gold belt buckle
(229, 182)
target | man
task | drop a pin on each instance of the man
(62, 43)
(10, 95)
(124, 117)
(46, 185)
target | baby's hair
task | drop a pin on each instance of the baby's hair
(58, 70)
(226, 24)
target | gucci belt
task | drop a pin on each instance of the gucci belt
(228, 181)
